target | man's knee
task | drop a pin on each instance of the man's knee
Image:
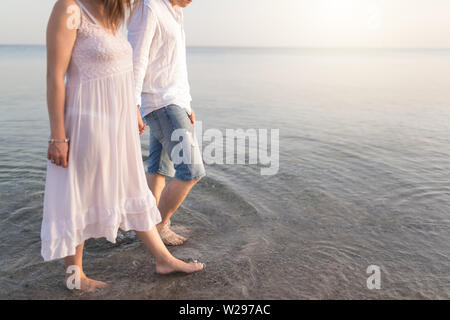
(190, 182)
(193, 181)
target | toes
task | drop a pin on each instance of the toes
(170, 238)
(175, 241)
(198, 266)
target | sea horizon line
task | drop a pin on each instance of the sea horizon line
(268, 47)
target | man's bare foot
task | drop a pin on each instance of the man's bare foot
(180, 229)
(169, 237)
(88, 285)
(176, 265)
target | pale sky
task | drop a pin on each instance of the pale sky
(293, 23)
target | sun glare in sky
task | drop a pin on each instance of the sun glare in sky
(340, 12)
(346, 21)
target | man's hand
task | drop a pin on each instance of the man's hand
(141, 124)
(192, 116)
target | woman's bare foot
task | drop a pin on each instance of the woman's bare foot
(87, 284)
(176, 265)
(169, 237)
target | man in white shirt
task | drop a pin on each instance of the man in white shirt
(157, 36)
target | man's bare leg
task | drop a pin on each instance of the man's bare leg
(169, 200)
(156, 183)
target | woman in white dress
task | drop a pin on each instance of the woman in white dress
(95, 176)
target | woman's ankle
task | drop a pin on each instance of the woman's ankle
(74, 269)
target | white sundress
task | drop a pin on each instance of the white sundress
(104, 187)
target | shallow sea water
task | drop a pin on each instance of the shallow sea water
(363, 180)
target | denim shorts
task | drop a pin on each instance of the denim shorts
(174, 150)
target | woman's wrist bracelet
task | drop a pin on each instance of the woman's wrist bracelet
(52, 141)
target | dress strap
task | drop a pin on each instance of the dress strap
(87, 11)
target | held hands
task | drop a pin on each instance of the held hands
(58, 153)
(192, 116)
(141, 124)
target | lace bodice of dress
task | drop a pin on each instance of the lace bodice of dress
(98, 53)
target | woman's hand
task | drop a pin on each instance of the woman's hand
(141, 124)
(58, 153)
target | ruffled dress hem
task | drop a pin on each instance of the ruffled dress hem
(137, 214)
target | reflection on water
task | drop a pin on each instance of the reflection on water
(363, 180)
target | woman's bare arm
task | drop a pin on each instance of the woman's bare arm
(61, 36)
